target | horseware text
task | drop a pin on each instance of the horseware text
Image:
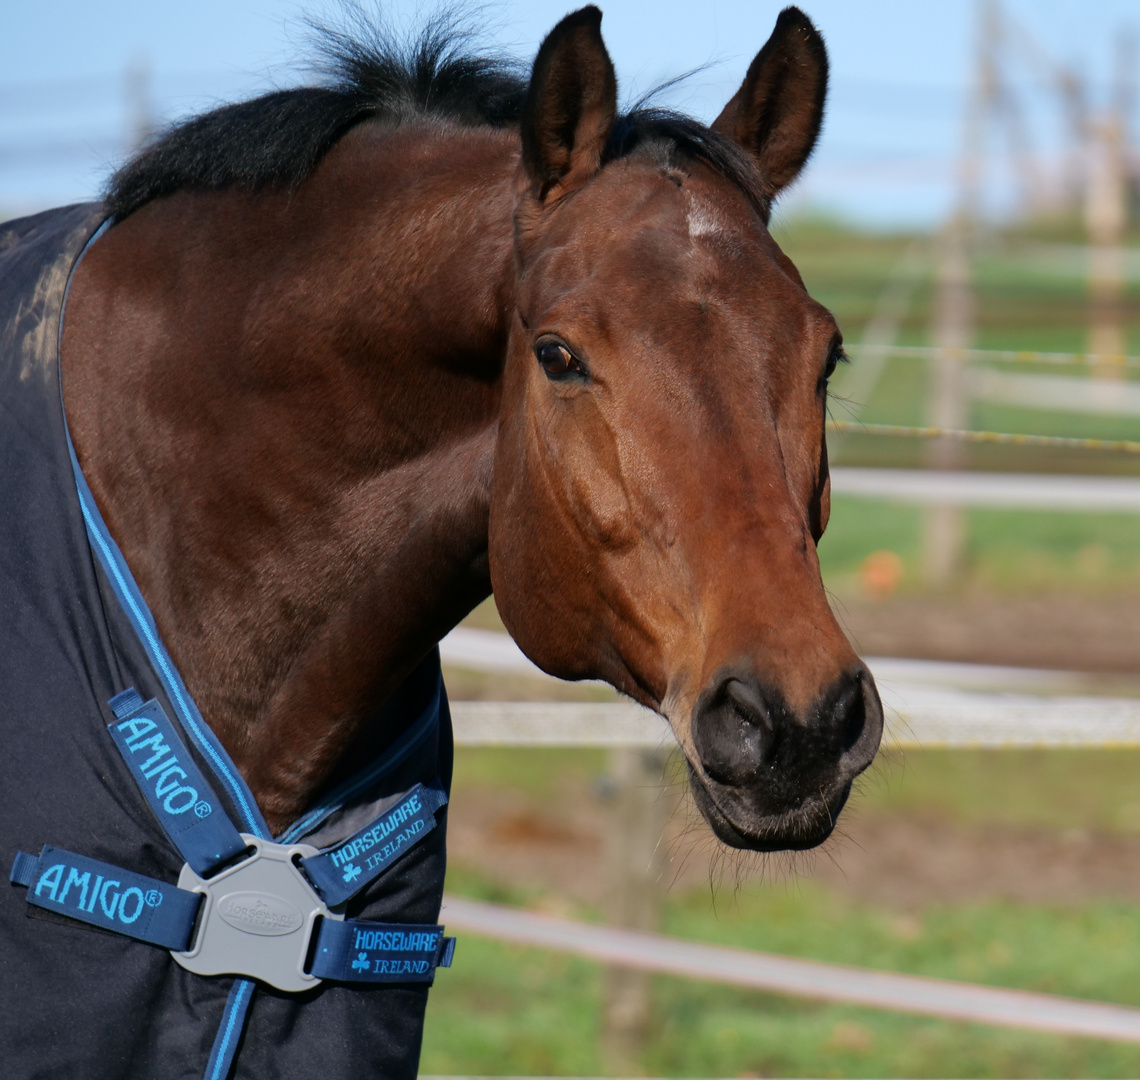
(394, 941)
(260, 913)
(381, 831)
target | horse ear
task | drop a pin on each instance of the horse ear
(776, 114)
(570, 106)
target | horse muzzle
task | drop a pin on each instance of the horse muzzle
(768, 779)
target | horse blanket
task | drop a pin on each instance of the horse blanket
(77, 1001)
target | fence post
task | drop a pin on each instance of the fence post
(639, 807)
(944, 525)
(1106, 216)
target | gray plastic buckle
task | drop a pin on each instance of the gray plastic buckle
(257, 918)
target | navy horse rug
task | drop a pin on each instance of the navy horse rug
(153, 927)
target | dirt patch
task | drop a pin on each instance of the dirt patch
(552, 847)
(556, 849)
(1067, 631)
(906, 863)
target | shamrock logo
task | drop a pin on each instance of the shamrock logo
(351, 872)
(361, 962)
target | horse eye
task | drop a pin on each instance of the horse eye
(835, 357)
(557, 360)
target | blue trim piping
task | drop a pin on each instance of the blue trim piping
(392, 757)
(229, 1031)
(128, 594)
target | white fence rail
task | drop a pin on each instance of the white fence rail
(1003, 491)
(927, 703)
(802, 978)
(926, 718)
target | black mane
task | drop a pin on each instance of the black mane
(278, 139)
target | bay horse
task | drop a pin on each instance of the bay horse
(350, 357)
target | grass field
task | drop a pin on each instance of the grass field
(1006, 551)
(512, 1011)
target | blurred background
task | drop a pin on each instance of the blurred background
(972, 217)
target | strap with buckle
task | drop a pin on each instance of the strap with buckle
(106, 896)
(344, 870)
(180, 796)
(243, 905)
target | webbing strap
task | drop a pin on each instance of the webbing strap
(228, 1036)
(359, 951)
(345, 870)
(178, 792)
(107, 896)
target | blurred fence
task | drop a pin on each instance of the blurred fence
(927, 705)
(1004, 491)
(802, 978)
(965, 435)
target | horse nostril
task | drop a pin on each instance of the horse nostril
(735, 731)
(852, 708)
(745, 734)
(749, 703)
(862, 719)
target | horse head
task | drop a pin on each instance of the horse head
(660, 477)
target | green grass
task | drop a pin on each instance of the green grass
(1021, 303)
(535, 772)
(715, 1031)
(1088, 951)
(1007, 551)
(503, 1010)
(859, 527)
(507, 1011)
(1054, 790)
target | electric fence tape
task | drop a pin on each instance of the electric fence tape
(1005, 438)
(1002, 356)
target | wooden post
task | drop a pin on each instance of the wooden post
(1106, 216)
(139, 104)
(944, 528)
(639, 807)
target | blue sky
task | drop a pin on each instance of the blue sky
(900, 73)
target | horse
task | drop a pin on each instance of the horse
(343, 360)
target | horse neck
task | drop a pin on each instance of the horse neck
(305, 389)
